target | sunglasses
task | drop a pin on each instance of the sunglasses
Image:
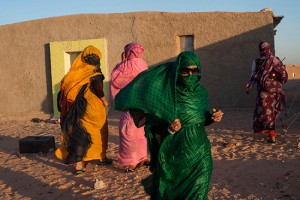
(186, 71)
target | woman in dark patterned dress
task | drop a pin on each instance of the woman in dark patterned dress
(269, 73)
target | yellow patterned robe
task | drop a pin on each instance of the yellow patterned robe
(84, 134)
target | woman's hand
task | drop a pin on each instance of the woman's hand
(217, 115)
(105, 103)
(142, 122)
(248, 88)
(174, 126)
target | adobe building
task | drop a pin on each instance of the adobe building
(292, 89)
(34, 55)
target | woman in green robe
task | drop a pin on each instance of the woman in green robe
(176, 109)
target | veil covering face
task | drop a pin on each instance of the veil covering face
(154, 90)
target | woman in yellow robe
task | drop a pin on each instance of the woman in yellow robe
(81, 101)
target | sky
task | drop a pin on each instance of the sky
(286, 38)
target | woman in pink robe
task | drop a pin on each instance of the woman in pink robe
(133, 143)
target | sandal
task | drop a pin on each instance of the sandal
(145, 163)
(130, 170)
(105, 161)
(271, 140)
(79, 171)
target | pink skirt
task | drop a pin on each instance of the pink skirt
(133, 142)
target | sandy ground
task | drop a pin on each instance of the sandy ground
(245, 167)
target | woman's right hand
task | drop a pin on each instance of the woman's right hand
(247, 88)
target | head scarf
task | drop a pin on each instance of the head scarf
(128, 69)
(133, 50)
(154, 91)
(264, 49)
(85, 66)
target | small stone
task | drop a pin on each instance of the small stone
(99, 184)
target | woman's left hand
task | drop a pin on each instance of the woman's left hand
(175, 125)
(217, 115)
(105, 103)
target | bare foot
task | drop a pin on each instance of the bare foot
(79, 165)
(145, 162)
(131, 168)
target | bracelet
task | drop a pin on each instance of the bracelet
(171, 132)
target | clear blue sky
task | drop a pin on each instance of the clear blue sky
(286, 39)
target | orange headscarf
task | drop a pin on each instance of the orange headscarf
(79, 74)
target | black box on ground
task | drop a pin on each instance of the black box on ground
(35, 144)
